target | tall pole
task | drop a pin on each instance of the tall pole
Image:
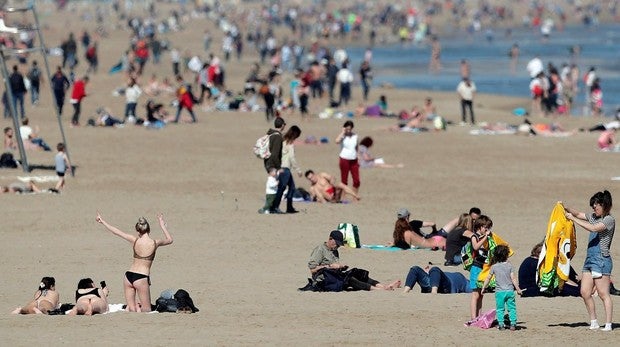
(12, 108)
(49, 79)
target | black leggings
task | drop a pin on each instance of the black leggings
(357, 284)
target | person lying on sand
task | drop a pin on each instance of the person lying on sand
(324, 188)
(46, 299)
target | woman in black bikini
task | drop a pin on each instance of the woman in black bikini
(137, 280)
(89, 300)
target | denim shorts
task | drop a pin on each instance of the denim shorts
(598, 264)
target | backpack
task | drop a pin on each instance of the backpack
(34, 75)
(261, 147)
(7, 160)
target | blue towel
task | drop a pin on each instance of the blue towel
(390, 249)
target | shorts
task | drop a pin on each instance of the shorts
(60, 174)
(474, 273)
(598, 265)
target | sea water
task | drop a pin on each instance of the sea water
(407, 66)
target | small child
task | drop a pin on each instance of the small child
(271, 188)
(62, 165)
(506, 284)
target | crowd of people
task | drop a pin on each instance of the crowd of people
(313, 78)
(485, 256)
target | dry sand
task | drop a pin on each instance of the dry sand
(242, 268)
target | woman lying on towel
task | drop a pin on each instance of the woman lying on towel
(89, 299)
(405, 237)
(45, 299)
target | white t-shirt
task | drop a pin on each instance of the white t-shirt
(534, 67)
(466, 92)
(271, 187)
(25, 132)
(133, 93)
(344, 76)
(349, 147)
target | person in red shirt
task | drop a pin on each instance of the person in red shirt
(78, 93)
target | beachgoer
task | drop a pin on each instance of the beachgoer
(505, 285)
(60, 83)
(325, 257)
(365, 78)
(271, 188)
(598, 264)
(36, 77)
(345, 78)
(467, 90)
(480, 245)
(514, 58)
(275, 161)
(607, 140)
(137, 280)
(78, 93)
(347, 140)
(9, 141)
(367, 160)
(433, 280)
(289, 162)
(18, 89)
(29, 135)
(185, 99)
(529, 285)
(132, 93)
(89, 299)
(324, 188)
(596, 98)
(405, 237)
(46, 299)
(435, 62)
(457, 238)
(62, 165)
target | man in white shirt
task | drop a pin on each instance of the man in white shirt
(345, 77)
(466, 90)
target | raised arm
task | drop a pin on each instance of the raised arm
(114, 230)
(168, 238)
(575, 213)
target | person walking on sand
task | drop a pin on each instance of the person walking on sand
(137, 280)
(62, 165)
(467, 90)
(78, 93)
(598, 264)
(347, 140)
(60, 84)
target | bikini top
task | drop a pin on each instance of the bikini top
(148, 257)
(94, 291)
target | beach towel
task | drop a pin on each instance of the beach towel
(391, 248)
(484, 321)
(350, 234)
(116, 68)
(557, 251)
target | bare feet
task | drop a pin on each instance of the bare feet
(17, 311)
(407, 289)
(394, 285)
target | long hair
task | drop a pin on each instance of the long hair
(292, 134)
(399, 230)
(465, 221)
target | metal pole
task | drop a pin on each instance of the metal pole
(49, 81)
(9, 99)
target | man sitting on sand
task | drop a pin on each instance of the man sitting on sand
(325, 188)
(325, 257)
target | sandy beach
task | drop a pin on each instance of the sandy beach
(243, 269)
